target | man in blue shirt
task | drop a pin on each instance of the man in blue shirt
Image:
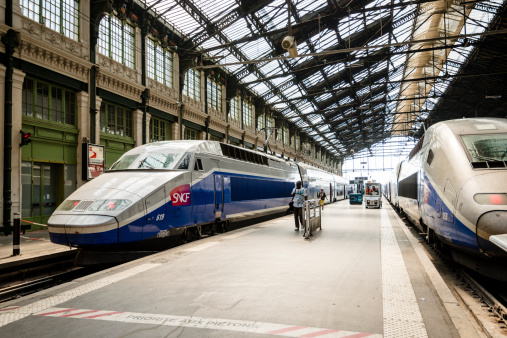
(299, 195)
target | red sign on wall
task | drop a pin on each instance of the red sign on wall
(95, 162)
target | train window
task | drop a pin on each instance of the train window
(199, 164)
(430, 157)
(185, 162)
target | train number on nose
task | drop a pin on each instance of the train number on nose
(181, 195)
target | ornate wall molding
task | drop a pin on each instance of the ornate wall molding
(52, 58)
(216, 114)
(218, 125)
(194, 116)
(235, 123)
(156, 87)
(250, 138)
(161, 102)
(235, 132)
(41, 33)
(193, 104)
(119, 70)
(118, 84)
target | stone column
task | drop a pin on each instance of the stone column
(148, 118)
(98, 103)
(137, 118)
(176, 74)
(83, 124)
(17, 124)
(175, 129)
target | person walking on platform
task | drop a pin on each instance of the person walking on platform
(299, 195)
(322, 197)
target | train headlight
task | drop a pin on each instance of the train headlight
(68, 205)
(491, 199)
(109, 205)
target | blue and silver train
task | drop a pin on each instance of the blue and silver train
(174, 189)
(453, 187)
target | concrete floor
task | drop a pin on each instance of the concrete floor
(262, 280)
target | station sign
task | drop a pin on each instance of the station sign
(93, 162)
(361, 178)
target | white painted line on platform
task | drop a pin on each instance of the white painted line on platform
(203, 323)
(12, 314)
(201, 246)
(239, 234)
(402, 316)
(451, 304)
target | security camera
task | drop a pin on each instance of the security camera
(289, 43)
(352, 151)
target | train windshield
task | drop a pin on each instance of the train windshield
(486, 147)
(148, 160)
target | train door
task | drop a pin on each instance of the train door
(219, 195)
(218, 183)
(199, 189)
(331, 196)
(155, 219)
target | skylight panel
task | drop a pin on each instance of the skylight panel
(237, 30)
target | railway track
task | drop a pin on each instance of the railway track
(21, 278)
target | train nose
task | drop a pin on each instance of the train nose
(491, 228)
(83, 230)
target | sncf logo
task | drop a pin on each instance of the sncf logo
(181, 195)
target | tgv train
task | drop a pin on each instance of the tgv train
(453, 187)
(170, 189)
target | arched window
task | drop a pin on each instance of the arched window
(192, 87)
(285, 135)
(214, 94)
(59, 15)
(247, 113)
(260, 122)
(235, 109)
(117, 40)
(159, 63)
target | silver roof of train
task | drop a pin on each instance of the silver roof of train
(480, 125)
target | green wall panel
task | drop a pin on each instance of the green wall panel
(70, 154)
(70, 137)
(54, 134)
(48, 152)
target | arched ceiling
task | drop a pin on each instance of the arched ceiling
(367, 70)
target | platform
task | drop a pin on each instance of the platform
(34, 245)
(361, 276)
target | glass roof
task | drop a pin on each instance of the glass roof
(351, 63)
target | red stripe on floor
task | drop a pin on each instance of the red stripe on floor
(288, 329)
(52, 313)
(104, 314)
(10, 308)
(318, 333)
(359, 335)
(80, 313)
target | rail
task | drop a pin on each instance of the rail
(312, 217)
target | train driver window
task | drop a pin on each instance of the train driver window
(430, 157)
(185, 162)
(198, 165)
